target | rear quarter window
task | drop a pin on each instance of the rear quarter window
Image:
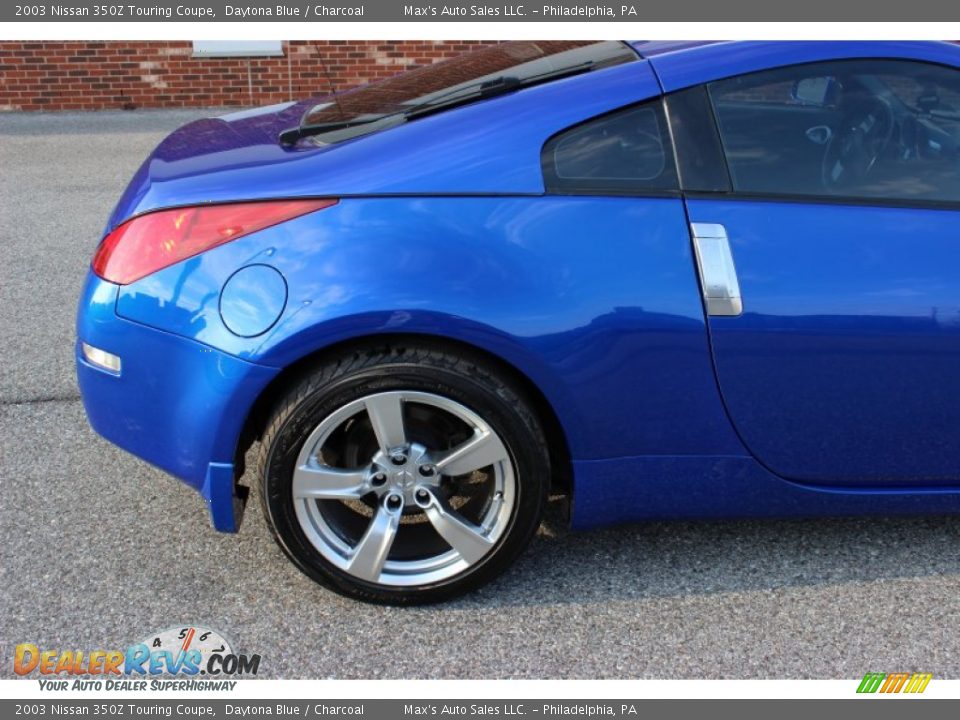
(626, 152)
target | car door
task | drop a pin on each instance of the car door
(829, 260)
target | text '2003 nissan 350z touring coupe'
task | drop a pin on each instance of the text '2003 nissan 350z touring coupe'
(669, 280)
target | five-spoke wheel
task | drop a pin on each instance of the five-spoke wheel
(462, 484)
(404, 481)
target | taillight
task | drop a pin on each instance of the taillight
(151, 242)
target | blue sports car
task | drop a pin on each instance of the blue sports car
(665, 280)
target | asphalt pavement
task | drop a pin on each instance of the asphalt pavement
(98, 549)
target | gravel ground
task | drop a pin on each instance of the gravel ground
(98, 549)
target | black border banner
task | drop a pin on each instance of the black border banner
(579, 11)
(852, 709)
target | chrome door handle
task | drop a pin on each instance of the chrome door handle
(718, 277)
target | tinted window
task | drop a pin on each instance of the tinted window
(872, 129)
(625, 152)
(513, 63)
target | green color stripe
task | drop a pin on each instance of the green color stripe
(871, 682)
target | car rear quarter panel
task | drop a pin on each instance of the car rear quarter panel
(490, 147)
(594, 299)
(176, 403)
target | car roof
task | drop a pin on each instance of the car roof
(681, 64)
(649, 48)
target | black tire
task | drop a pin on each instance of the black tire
(467, 379)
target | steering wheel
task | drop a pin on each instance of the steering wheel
(862, 138)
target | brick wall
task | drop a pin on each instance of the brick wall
(130, 75)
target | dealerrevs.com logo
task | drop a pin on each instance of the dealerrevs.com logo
(196, 657)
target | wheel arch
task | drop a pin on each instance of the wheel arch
(557, 442)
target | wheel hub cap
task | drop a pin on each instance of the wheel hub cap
(404, 478)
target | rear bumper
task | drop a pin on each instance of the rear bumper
(175, 403)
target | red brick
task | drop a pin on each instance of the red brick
(100, 75)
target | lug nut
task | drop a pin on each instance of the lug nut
(399, 459)
(422, 497)
(427, 470)
(394, 502)
(378, 480)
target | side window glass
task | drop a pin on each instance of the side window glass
(626, 152)
(871, 129)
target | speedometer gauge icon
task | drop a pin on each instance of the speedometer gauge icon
(180, 640)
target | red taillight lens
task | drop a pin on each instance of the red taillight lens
(154, 241)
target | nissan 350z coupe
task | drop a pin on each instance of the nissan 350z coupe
(667, 280)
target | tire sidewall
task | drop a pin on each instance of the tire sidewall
(493, 401)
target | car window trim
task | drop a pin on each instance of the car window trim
(688, 108)
(613, 193)
(796, 198)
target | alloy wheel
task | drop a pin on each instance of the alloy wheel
(404, 488)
